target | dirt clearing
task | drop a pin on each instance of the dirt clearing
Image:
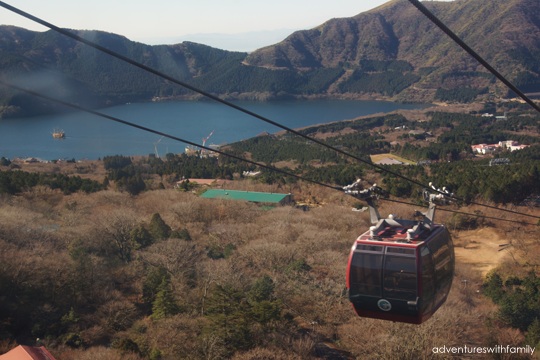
(480, 248)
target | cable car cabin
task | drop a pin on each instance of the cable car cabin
(398, 281)
(401, 270)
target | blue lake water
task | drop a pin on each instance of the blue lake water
(90, 136)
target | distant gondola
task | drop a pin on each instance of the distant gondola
(400, 270)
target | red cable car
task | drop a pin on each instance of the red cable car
(400, 270)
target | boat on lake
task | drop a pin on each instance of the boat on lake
(58, 134)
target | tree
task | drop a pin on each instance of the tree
(215, 252)
(4, 161)
(181, 234)
(152, 283)
(227, 252)
(533, 334)
(165, 304)
(126, 345)
(266, 311)
(140, 237)
(114, 229)
(230, 317)
(157, 228)
(494, 288)
(262, 290)
(297, 265)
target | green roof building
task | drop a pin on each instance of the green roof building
(257, 197)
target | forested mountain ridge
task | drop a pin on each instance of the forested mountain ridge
(398, 31)
(392, 51)
(76, 72)
(506, 33)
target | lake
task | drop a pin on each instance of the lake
(90, 136)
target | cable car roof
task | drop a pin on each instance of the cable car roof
(390, 235)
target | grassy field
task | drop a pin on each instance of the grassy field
(379, 157)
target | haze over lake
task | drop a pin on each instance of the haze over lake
(90, 136)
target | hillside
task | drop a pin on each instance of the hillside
(392, 51)
(398, 31)
(506, 33)
(169, 275)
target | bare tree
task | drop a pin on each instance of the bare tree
(175, 256)
(113, 232)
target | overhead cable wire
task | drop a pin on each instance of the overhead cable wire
(211, 96)
(471, 52)
(217, 151)
(225, 102)
(161, 133)
(221, 152)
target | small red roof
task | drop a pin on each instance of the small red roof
(23, 352)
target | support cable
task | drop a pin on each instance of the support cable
(339, 188)
(471, 52)
(178, 82)
(162, 134)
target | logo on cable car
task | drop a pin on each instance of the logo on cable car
(384, 305)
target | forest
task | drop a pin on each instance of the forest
(127, 267)
(165, 274)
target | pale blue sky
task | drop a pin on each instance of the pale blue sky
(166, 18)
(164, 21)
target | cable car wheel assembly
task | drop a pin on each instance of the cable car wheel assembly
(400, 270)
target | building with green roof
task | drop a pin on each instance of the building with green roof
(258, 197)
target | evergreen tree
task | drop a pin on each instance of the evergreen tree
(4, 161)
(126, 345)
(297, 265)
(156, 354)
(227, 252)
(140, 237)
(262, 290)
(517, 310)
(215, 252)
(165, 304)
(533, 334)
(180, 234)
(230, 317)
(158, 229)
(266, 311)
(184, 235)
(152, 283)
(494, 288)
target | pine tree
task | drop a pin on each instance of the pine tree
(262, 290)
(533, 334)
(158, 228)
(227, 252)
(215, 252)
(230, 316)
(165, 304)
(184, 235)
(266, 311)
(152, 283)
(140, 237)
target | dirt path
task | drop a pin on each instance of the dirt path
(480, 248)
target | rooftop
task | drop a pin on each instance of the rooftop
(244, 195)
(23, 352)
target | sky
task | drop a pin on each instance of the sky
(166, 21)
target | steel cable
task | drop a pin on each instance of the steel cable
(178, 82)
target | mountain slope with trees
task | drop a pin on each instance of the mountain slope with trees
(392, 51)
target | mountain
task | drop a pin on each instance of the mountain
(392, 51)
(398, 31)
